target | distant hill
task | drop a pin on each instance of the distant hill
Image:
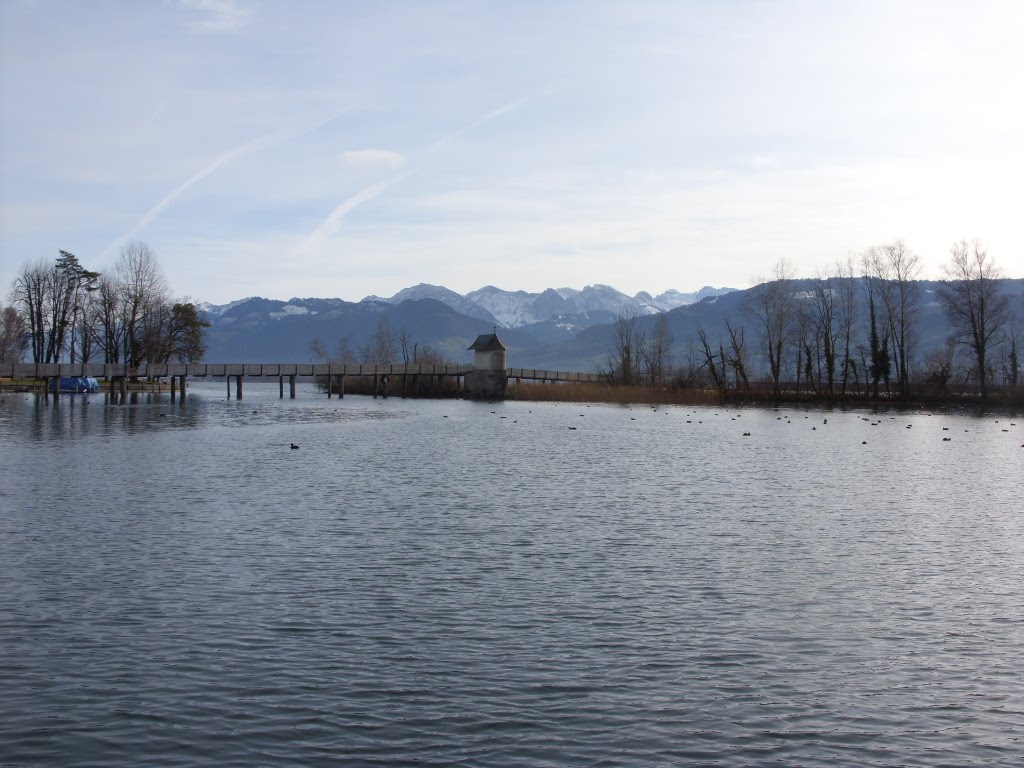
(259, 329)
(576, 333)
(255, 328)
(517, 309)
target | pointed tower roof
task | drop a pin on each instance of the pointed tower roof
(487, 342)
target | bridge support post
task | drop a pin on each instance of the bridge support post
(291, 387)
(280, 387)
(238, 387)
(181, 387)
(341, 386)
(174, 394)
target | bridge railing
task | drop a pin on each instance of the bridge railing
(542, 375)
(160, 370)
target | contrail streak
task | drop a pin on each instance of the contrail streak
(178, 191)
(332, 224)
(224, 158)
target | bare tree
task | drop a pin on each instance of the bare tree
(658, 352)
(771, 304)
(824, 308)
(383, 344)
(127, 315)
(628, 347)
(712, 360)
(938, 367)
(51, 297)
(406, 345)
(977, 306)
(846, 287)
(1011, 356)
(344, 353)
(318, 350)
(737, 356)
(897, 270)
(104, 318)
(142, 290)
(60, 297)
(30, 294)
(801, 336)
(688, 374)
(13, 335)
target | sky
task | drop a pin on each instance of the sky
(342, 149)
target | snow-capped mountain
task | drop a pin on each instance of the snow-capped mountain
(446, 296)
(672, 298)
(216, 310)
(515, 309)
(553, 313)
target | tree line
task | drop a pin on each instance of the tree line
(61, 311)
(852, 330)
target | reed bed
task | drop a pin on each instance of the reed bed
(569, 392)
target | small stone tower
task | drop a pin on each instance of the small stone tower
(489, 378)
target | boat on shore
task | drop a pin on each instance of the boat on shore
(76, 384)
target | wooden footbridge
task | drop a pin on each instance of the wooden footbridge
(117, 375)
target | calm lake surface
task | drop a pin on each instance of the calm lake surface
(454, 583)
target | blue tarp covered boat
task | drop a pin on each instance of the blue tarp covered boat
(78, 384)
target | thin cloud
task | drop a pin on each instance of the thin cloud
(372, 159)
(217, 15)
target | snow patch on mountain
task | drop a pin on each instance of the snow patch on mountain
(291, 310)
(216, 310)
(512, 309)
(672, 298)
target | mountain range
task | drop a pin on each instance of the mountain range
(255, 328)
(563, 329)
(515, 309)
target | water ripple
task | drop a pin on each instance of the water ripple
(427, 583)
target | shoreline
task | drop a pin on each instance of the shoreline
(652, 395)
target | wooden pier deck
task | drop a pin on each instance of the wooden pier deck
(118, 374)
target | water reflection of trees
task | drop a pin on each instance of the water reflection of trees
(79, 417)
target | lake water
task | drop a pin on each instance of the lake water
(444, 582)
